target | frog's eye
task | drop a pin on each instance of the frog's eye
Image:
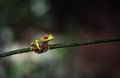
(45, 36)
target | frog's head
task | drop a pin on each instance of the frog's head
(46, 38)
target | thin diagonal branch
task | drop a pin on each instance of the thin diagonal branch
(63, 45)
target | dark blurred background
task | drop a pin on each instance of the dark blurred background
(22, 21)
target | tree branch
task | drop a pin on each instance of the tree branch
(63, 45)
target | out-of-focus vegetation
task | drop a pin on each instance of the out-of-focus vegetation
(22, 21)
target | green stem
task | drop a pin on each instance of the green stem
(87, 42)
(24, 50)
(63, 45)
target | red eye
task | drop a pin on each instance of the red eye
(45, 36)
